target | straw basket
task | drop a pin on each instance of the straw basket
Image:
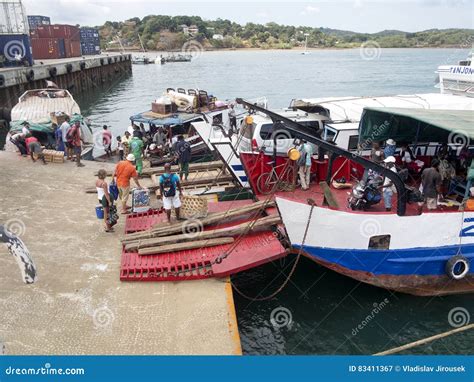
(193, 207)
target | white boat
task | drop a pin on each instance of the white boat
(141, 60)
(457, 79)
(38, 106)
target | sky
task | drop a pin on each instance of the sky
(356, 15)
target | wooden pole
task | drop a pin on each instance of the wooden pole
(426, 340)
(184, 246)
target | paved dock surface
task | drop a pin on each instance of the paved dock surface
(78, 305)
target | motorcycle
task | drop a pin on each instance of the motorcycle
(366, 193)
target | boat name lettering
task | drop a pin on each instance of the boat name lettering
(462, 70)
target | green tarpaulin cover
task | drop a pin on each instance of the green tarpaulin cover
(47, 127)
(416, 125)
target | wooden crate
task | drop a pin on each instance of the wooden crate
(53, 156)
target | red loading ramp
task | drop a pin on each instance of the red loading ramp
(252, 250)
(143, 220)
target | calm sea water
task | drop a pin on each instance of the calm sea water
(319, 311)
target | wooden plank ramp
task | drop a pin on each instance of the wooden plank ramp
(160, 259)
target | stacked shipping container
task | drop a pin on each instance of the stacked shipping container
(37, 21)
(56, 41)
(15, 48)
(90, 42)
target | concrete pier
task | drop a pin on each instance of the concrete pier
(75, 74)
(78, 305)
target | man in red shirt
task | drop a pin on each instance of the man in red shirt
(74, 138)
(124, 171)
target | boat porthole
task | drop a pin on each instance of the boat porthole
(53, 71)
(30, 75)
(457, 267)
(69, 68)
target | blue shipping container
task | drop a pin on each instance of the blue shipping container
(36, 21)
(15, 50)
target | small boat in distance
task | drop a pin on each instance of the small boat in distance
(141, 60)
(178, 58)
(457, 79)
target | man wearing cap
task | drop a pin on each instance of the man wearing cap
(387, 184)
(390, 148)
(124, 171)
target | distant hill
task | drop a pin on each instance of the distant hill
(160, 32)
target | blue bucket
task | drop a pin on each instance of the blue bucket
(99, 211)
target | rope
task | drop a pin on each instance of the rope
(293, 268)
(426, 340)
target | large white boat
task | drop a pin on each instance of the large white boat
(457, 79)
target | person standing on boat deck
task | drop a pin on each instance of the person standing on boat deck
(304, 164)
(431, 185)
(120, 147)
(390, 148)
(183, 151)
(169, 184)
(232, 119)
(107, 141)
(124, 171)
(75, 140)
(65, 127)
(160, 137)
(136, 148)
(104, 197)
(388, 187)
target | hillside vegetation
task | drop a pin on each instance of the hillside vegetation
(170, 33)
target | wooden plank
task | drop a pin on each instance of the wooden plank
(185, 246)
(263, 223)
(177, 227)
(329, 198)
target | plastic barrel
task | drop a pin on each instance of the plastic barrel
(99, 211)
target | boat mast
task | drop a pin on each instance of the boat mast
(141, 43)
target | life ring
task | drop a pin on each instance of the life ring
(457, 267)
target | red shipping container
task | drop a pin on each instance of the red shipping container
(67, 32)
(46, 48)
(44, 31)
(73, 48)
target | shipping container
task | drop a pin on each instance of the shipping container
(35, 21)
(48, 48)
(67, 32)
(73, 48)
(45, 31)
(13, 18)
(15, 50)
(88, 49)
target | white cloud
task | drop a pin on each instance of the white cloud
(309, 9)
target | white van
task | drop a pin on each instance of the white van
(260, 134)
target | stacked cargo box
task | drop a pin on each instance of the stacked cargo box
(15, 48)
(35, 21)
(90, 41)
(56, 41)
